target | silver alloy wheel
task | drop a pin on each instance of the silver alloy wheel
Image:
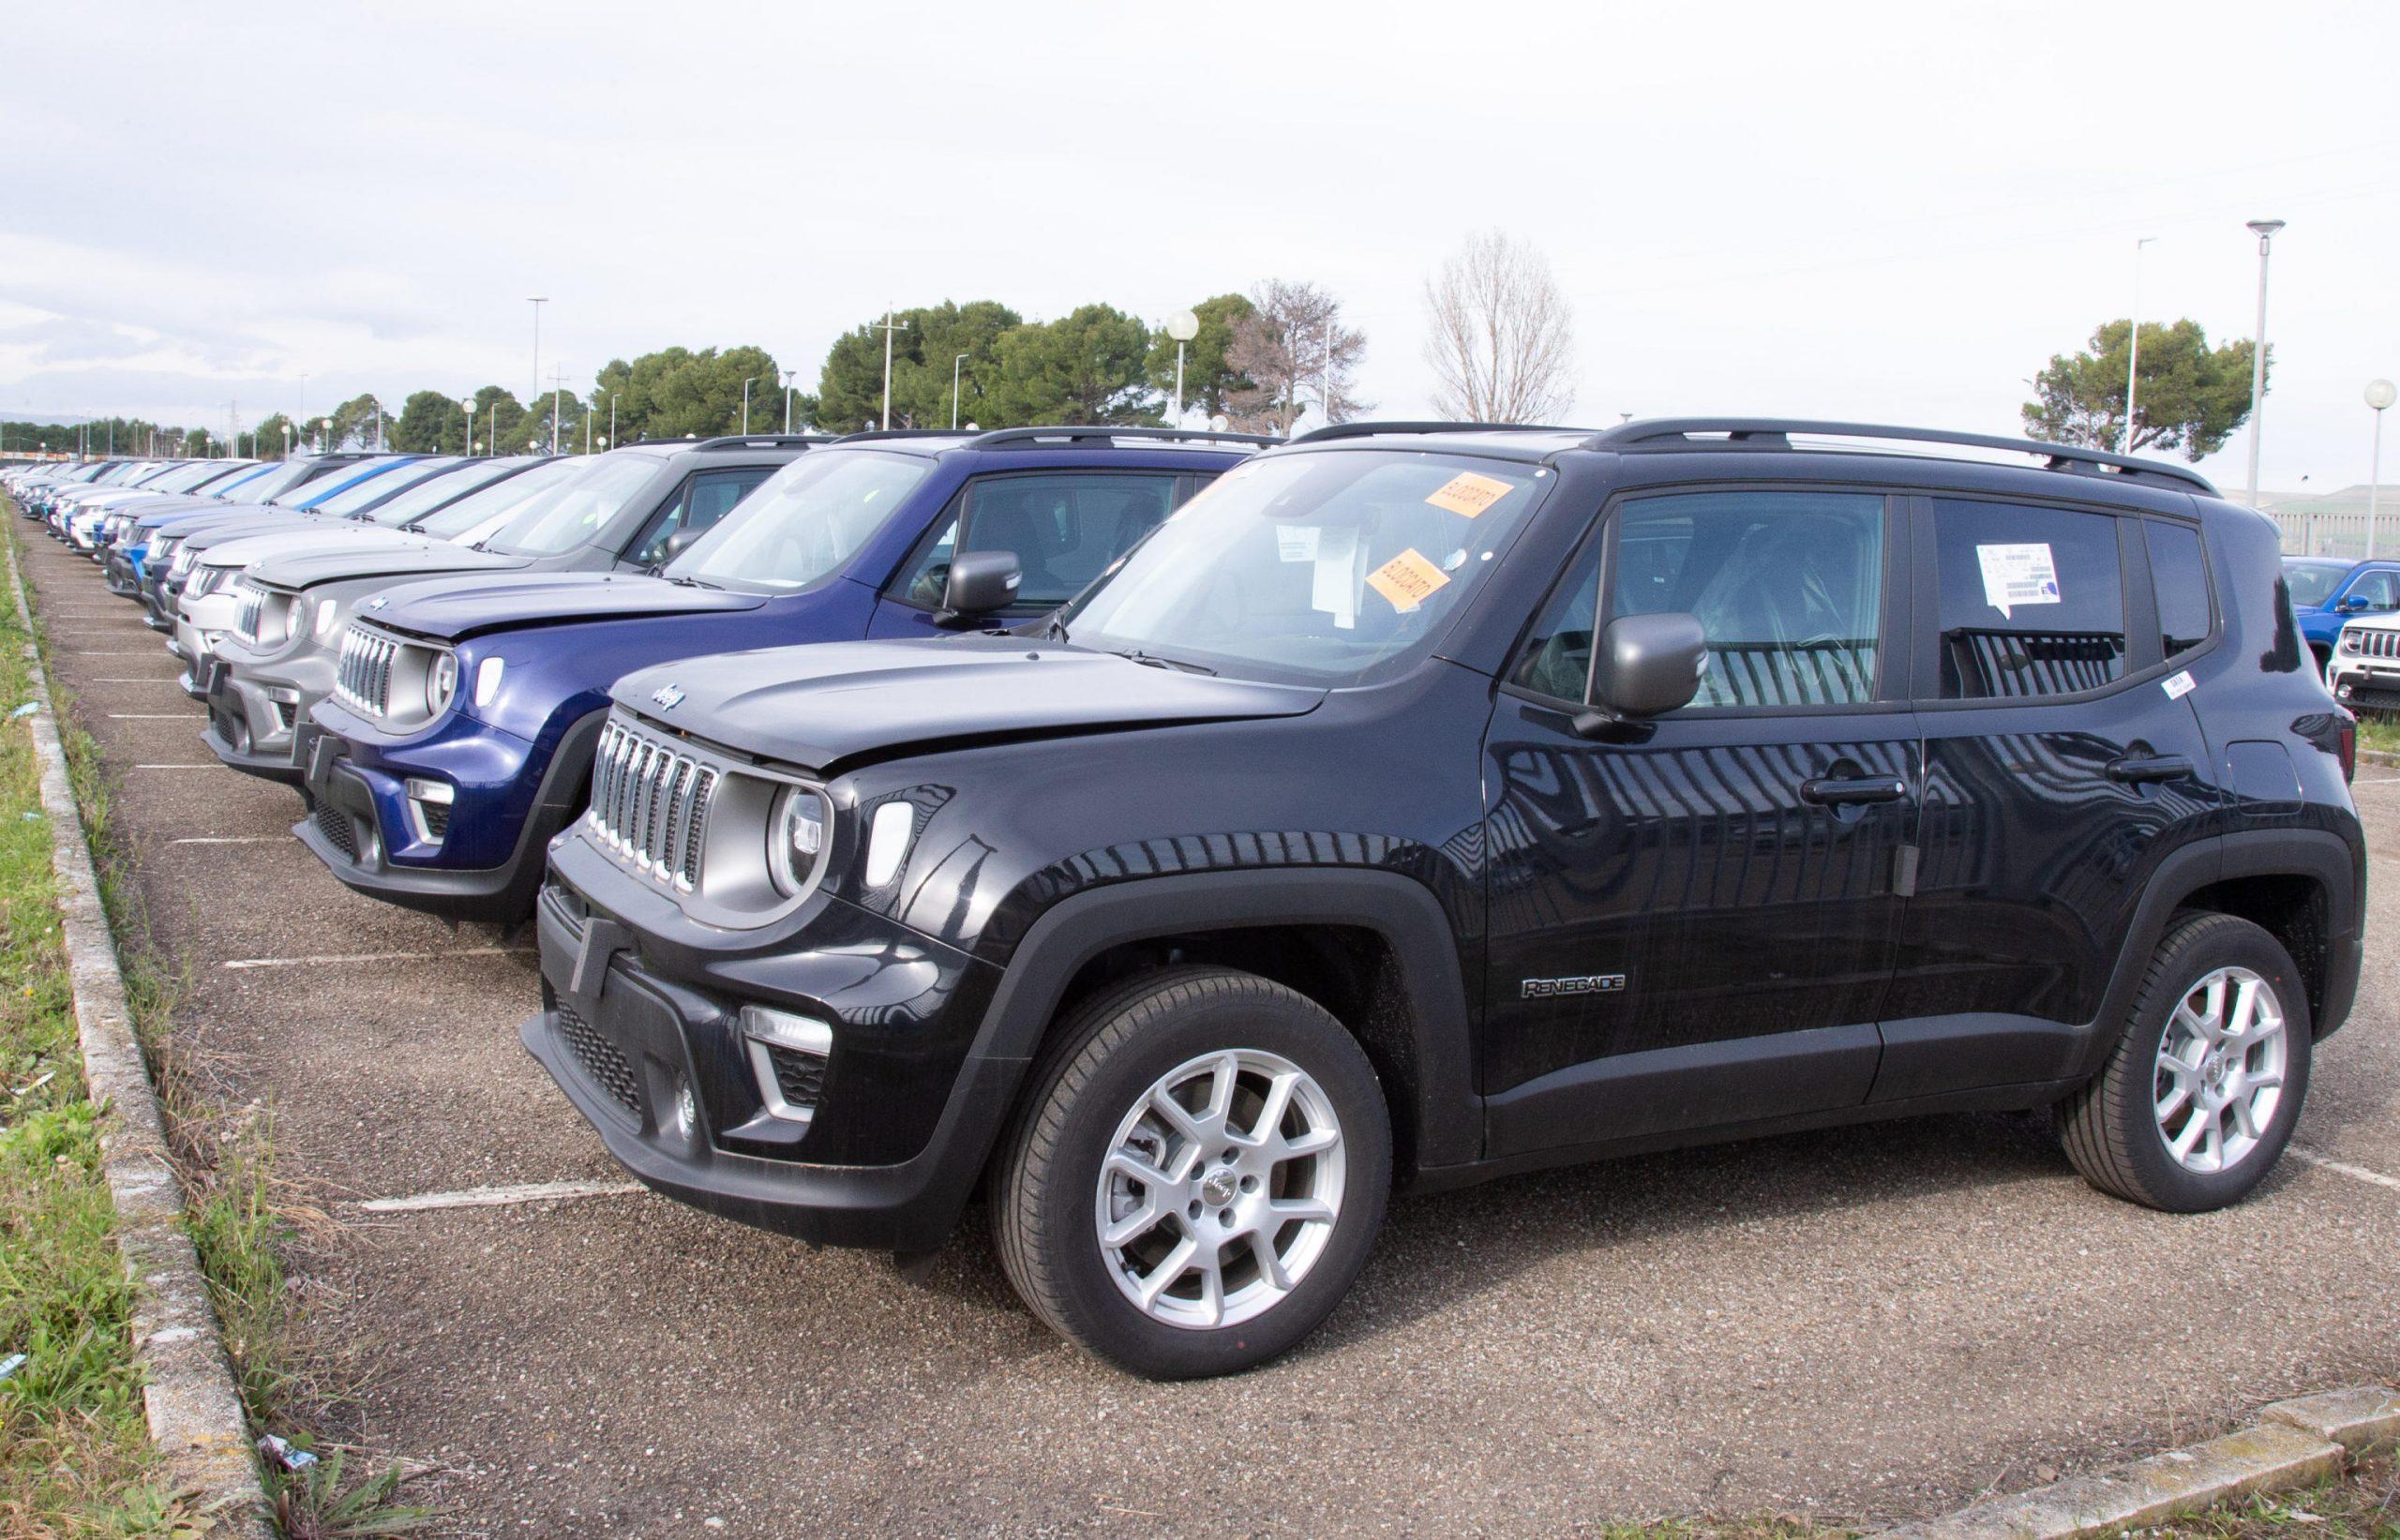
(2220, 1073)
(1220, 1189)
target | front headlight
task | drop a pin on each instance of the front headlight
(796, 840)
(2349, 641)
(441, 683)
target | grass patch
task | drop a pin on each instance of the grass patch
(2381, 732)
(75, 1455)
(242, 1219)
(2363, 1503)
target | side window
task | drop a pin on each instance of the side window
(2378, 589)
(1064, 529)
(706, 498)
(2181, 580)
(1788, 587)
(1559, 656)
(2032, 600)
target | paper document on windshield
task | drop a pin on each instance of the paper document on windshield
(2018, 574)
(1335, 584)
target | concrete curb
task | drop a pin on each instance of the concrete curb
(194, 1414)
(2379, 757)
(2294, 1443)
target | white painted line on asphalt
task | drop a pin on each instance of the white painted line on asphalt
(211, 765)
(170, 678)
(80, 652)
(240, 962)
(495, 1197)
(2342, 1168)
(231, 839)
(149, 716)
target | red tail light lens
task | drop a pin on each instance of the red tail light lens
(2349, 746)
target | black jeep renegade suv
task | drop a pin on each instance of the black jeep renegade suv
(1317, 849)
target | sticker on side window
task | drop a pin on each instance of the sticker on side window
(1467, 494)
(2018, 574)
(2177, 684)
(1407, 579)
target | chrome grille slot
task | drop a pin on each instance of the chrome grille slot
(245, 620)
(362, 678)
(650, 804)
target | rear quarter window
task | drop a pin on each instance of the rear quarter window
(2032, 600)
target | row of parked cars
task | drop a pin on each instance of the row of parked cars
(1182, 841)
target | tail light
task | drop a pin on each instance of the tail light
(2349, 746)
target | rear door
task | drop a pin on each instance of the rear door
(2063, 762)
(1063, 527)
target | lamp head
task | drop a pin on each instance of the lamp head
(2264, 228)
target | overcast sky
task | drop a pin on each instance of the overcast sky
(1892, 213)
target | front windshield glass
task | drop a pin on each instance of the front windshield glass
(2313, 582)
(358, 494)
(804, 522)
(260, 488)
(1326, 568)
(184, 477)
(570, 513)
(335, 480)
(470, 513)
(433, 491)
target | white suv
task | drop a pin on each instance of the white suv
(2364, 672)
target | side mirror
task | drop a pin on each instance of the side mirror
(677, 544)
(980, 583)
(1645, 665)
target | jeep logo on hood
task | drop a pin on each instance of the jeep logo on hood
(668, 699)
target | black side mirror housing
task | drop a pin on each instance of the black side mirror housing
(1645, 665)
(980, 583)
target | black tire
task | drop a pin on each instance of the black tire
(2110, 1126)
(1104, 1058)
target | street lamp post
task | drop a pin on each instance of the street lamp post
(612, 419)
(790, 375)
(2132, 346)
(2265, 229)
(491, 436)
(953, 390)
(746, 384)
(537, 300)
(888, 328)
(467, 425)
(1183, 326)
(2380, 394)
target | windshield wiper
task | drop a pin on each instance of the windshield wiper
(1146, 659)
(1056, 630)
(690, 582)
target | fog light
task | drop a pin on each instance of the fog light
(787, 1055)
(430, 808)
(687, 1111)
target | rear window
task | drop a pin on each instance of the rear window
(2180, 579)
(2031, 602)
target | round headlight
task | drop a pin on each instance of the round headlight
(797, 840)
(441, 683)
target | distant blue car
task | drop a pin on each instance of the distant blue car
(2326, 591)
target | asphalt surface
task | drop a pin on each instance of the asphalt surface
(1868, 1324)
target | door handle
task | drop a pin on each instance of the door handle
(2134, 771)
(1852, 790)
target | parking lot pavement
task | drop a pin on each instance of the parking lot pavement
(1873, 1323)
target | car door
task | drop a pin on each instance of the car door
(2375, 590)
(705, 497)
(1692, 919)
(1063, 527)
(2063, 762)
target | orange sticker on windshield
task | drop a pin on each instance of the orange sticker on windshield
(1407, 579)
(1467, 494)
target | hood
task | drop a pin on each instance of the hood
(378, 558)
(457, 608)
(318, 537)
(817, 706)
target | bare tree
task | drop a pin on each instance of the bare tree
(1295, 350)
(1502, 336)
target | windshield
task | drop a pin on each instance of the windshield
(2313, 582)
(184, 477)
(449, 485)
(340, 477)
(358, 494)
(1326, 568)
(470, 513)
(570, 513)
(803, 522)
(260, 488)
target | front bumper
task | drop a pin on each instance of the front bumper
(252, 721)
(649, 1050)
(123, 577)
(2371, 684)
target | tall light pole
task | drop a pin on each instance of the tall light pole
(612, 418)
(467, 427)
(537, 300)
(2132, 346)
(789, 376)
(492, 435)
(746, 384)
(2265, 229)
(953, 390)
(888, 328)
(557, 402)
(1183, 326)
(2380, 394)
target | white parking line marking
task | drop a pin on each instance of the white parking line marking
(230, 839)
(211, 765)
(241, 963)
(2343, 1168)
(80, 653)
(494, 1197)
(149, 716)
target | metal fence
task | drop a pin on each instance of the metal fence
(2312, 532)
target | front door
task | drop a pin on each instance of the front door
(1693, 922)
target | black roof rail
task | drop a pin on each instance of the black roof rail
(1003, 437)
(1362, 430)
(866, 433)
(1775, 433)
(757, 441)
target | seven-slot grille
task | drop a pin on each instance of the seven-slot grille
(2375, 643)
(245, 622)
(650, 802)
(362, 678)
